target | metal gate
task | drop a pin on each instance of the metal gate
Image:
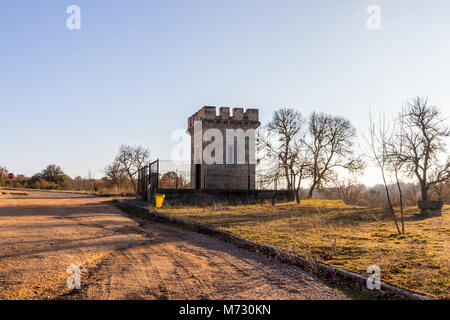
(148, 177)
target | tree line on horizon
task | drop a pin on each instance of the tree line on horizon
(410, 146)
(348, 189)
(306, 153)
(52, 177)
(119, 176)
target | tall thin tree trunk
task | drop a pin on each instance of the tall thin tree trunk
(401, 201)
(311, 190)
(423, 190)
(297, 191)
(288, 181)
(389, 201)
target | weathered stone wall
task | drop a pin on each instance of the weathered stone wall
(209, 197)
(224, 176)
(235, 177)
(430, 208)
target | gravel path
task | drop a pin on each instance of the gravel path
(122, 257)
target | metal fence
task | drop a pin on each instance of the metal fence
(265, 180)
(167, 174)
(174, 174)
(148, 177)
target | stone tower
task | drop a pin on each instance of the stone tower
(235, 168)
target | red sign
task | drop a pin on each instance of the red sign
(11, 176)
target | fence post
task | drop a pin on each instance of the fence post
(138, 182)
(148, 174)
(157, 174)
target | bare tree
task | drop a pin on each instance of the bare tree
(3, 175)
(423, 137)
(348, 189)
(282, 144)
(330, 143)
(395, 165)
(300, 165)
(441, 191)
(115, 173)
(378, 145)
(55, 174)
(3, 172)
(131, 159)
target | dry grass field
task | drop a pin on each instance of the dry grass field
(344, 236)
(126, 257)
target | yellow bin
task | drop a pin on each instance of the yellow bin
(159, 199)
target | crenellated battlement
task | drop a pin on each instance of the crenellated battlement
(231, 134)
(210, 113)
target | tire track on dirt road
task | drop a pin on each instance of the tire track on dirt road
(130, 258)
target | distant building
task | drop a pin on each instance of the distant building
(236, 171)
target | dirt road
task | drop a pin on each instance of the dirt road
(122, 257)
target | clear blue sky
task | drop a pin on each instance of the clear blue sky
(137, 69)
